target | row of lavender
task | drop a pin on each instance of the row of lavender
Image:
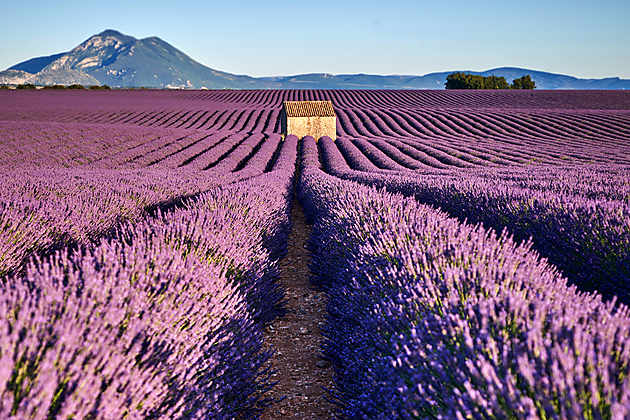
(577, 216)
(411, 99)
(380, 122)
(429, 317)
(231, 119)
(423, 98)
(464, 137)
(401, 131)
(52, 144)
(56, 145)
(50, 207)
(481, 124)
(396, 154)
(46, 209)
(160, 317)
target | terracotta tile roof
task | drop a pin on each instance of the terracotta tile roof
(309, 109)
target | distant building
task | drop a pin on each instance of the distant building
(309, 118)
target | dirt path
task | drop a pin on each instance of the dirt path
(296, 337)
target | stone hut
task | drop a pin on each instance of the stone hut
(309, 118)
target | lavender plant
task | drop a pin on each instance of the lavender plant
(429, 317)
(577, 217)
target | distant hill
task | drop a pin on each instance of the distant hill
(115, 59)
(37, 64)
(543, 80)
(119, 60)
(14, 77)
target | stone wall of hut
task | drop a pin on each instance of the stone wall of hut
(310, 126)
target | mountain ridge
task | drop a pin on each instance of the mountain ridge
(118, 60)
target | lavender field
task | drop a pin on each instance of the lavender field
(473, 248)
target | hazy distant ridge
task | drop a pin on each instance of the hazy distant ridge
(119, 60)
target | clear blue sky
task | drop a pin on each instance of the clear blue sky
(581, 38)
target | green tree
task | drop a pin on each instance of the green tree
(495, 82)
(456, 81)
(476, 82)
(470, 81)
(524, 82)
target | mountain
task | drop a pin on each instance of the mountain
(546, 80)
(119, 60)
(115, 59)
(35, 65)
(543, 80)
(14, 77)
(63, 76)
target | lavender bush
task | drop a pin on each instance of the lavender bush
(578, 217)
(429, 317)
(159, 318)
(139, 233)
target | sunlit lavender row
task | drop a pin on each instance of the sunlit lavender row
(577, 217)
(475, 247)
(398, 130)
(429, 317)
(161, 318)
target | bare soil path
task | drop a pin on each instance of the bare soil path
(300, 371)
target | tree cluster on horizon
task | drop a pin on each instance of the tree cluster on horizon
(461, 80)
